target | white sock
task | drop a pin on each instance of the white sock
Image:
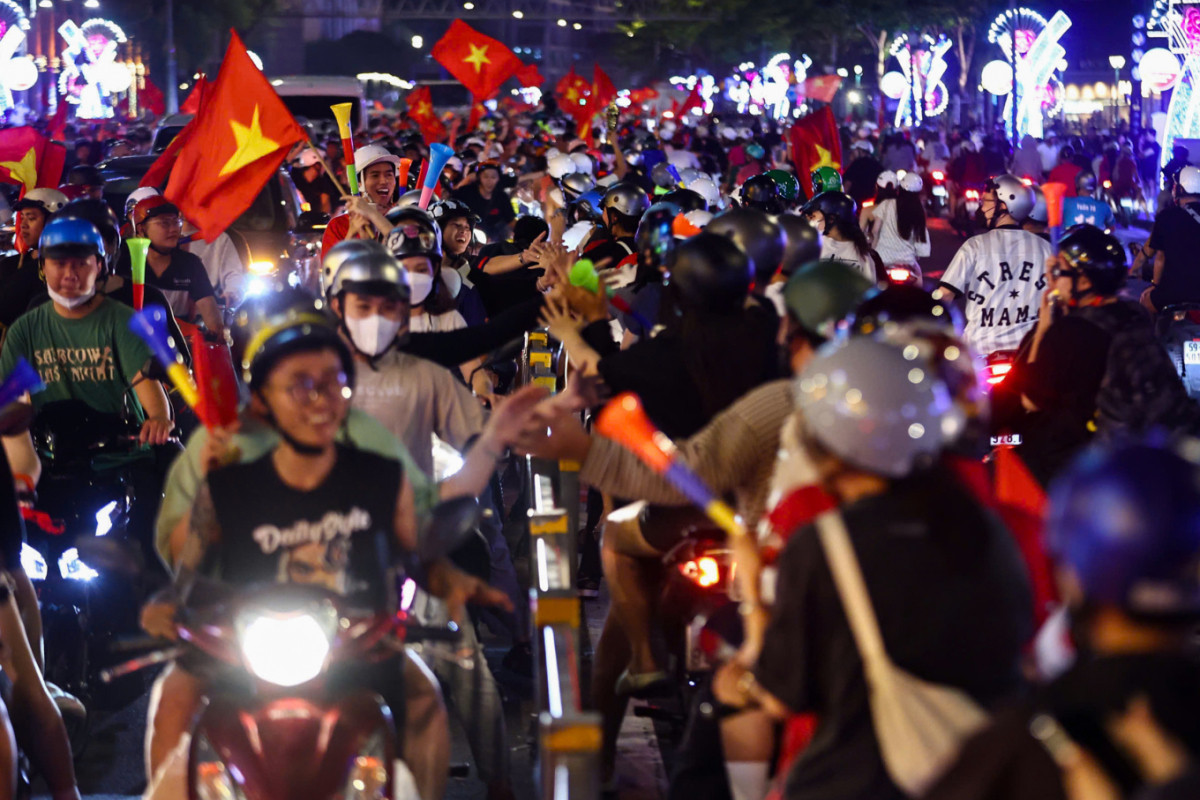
(747, 779)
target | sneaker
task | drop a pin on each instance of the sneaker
(589, 588)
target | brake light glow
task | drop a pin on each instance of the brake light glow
(899, 274)
(1108, 184)
(997, 372)
(703, 571)
(868, 203)
(938, 175)
(972, 194)
(1026, 181)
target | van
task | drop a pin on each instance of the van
(309, 98)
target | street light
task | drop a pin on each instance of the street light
(1117, 63)
(577, 26)
(519, 14)
(562, 23)
(842, 72)
(418, 42)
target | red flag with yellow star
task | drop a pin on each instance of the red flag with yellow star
(239, 139)
(29, 159)
(815, 142)
(420, 110)
(480, 62)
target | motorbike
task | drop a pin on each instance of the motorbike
(997, 366)
(966, 217)
(287, 716)
(88, 551)
(937, 196)
(904, 274)
(1178, 329)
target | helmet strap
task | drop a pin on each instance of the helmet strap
(300, 447)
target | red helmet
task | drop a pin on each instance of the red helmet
(73, 191)
(156, 206)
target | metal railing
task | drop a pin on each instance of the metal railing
(569, 737)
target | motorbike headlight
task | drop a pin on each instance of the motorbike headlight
(257, 286)
(33, 563)
(211, 776)
(72, 568)
(368, 775)
(262, 267)
(285, 649)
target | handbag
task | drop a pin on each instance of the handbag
(920, 725)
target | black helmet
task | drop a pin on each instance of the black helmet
(820, 295)
(626, 198)
(414, 233)
(757, 235)
(587, 207)
(1097, 255)
(84, 175)
(837, 207)
(803, 242)
(710, 273)
(686, 199)
(660, 175)
(452, 208)
(762, 192)
(904, 303)
(103, 218)
(278, 324)
(655, 238)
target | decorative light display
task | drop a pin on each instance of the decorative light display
(1030, 44)
(1178, 23)
(91, 74)
(14, 66)
(923, 66)
(708, 89)
(1159, 69)
(893, 85)
(771, 90)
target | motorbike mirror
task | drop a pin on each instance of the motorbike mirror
(111, 554)
(450, 524)
(15, 418)
(312, 222)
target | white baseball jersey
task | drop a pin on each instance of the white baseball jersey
(1002, 274)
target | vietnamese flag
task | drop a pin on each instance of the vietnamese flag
(151, 99)
(477, 112)
(30, 159)
(56, 127)
(822, 88)
(528, 75)
(240, 138)
(815, 142)
(479, 62)
(195, 98)
(693, 100)
(160, 170)
(420, 110)
(571, 92)
(603, 93)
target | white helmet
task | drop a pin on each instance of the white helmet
(48, 200)
(886, 178)
(1017, 197)
(307, 158)
(582, 162)
(912, 182)
(136, 196)
(1189, 180)
(560, 165)
(705, 187)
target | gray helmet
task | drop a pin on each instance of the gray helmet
(1039, 213)
(372, 271)
(1016, 196)
(407, 200)
(339, 253)
(576, 184)
(627, 198)
(878, 406)
(1085, 183)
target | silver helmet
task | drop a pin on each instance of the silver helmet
(1015, 194)
(878, 406)
(371, 271)
(338, 254)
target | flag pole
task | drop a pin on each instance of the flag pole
(325, 165)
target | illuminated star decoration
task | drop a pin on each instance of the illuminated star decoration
(25, 170)
(478, 57)
(251, 144)
(925, 95)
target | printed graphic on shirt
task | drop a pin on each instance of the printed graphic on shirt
(314, 553)
(75, 364)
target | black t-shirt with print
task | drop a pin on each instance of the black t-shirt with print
(495, 212)
(952, 598)
(185, 273)
(339, 535)
(1177, 234)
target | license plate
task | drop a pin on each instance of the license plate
(1008, 440)
(1191, 352)
(939, 191)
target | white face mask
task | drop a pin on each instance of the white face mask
(420, 285)
(452, 280)
(374, 334)
(774, 293)
(71, 302)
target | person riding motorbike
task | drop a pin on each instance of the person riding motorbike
(377, 171)
(1121, 720)
(1001, 272)
(761, 192)
(299, 372)
(457, 222)
(1084, 208)
(1173, 244)
(623, 206)
(1091, 364)
(905, 518)
(834, 215)
(20, 279)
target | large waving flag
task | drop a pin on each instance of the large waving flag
(479, 62)
(815, 142)
(30, 159)
(420, 110)
(240, 137)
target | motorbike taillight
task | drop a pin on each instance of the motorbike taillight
(972, 194)
(899, 274)
(938, 175)
(704, 571)
(996, 372)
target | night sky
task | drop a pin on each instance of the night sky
(1099, 28)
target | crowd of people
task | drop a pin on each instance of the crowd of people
(905, 627)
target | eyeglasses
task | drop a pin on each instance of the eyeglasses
(307, 391)
(166, 221)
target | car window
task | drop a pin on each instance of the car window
(266, 210)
